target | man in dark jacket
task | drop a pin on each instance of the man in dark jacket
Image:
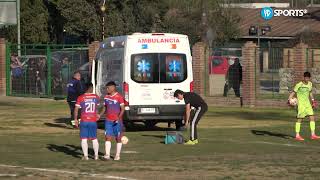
(75, 89)
(234, 78)
(43, 73)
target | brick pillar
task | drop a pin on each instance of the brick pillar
(300, 61)
(249, 72)
(199, 54)
(2, 67)
(93, 48)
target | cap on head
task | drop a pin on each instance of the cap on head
(177, 92)
(111, 83)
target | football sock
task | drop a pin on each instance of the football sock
(107, 147)
(298, 125)
(119, 145)
(312, 127)
(95, 145)
(84, 145)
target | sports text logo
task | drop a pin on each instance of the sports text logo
(267, 12)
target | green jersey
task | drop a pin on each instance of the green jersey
(303, 95)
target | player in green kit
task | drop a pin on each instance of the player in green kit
(303, 90)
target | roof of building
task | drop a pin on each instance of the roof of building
(281, 26)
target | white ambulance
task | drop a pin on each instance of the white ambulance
(147, 68)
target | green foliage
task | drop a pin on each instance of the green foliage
(51, 20)
(186, 17)
(79, 18)
(34, 22)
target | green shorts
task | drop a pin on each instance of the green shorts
(304, 111)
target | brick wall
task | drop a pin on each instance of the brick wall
(2, 67)
(93, 48)
(249, 66)
(300, 61)
(199, 54)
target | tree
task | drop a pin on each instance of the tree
(79, 18)
(34, 22)
(196, 17)
(50, 20)
(129, 16)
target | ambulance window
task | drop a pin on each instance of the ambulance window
(145, 68)
(173, 68)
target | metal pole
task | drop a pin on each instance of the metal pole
(49, 71)
(18, 23)
(259, 36)
(103, 9)
(8, 75)
(103, 27)
(93, 78)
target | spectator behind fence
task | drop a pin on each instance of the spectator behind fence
(233, 78)
(75, 89)
(65, 72)
(32, 75)
(16, 73)
(43, 74)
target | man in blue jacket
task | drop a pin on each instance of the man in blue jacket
(75, 89)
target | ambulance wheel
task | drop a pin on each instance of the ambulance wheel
(127, 124)
(150, 123)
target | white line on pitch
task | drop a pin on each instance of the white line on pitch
(67, 172)
(8, 175)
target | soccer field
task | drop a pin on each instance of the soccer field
(235, 143)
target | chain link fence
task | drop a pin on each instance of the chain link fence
(274, 77)
(44, 70)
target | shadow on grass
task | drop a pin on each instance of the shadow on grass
(156, 136)
(283, 115)
(133, 127)
(62, 120)
(6, 104)
(60, 123)
(71, 150)
(268, 133)
(68, 149)
(64, 126)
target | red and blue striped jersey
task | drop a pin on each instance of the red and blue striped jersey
(89, 104)
(113, 106)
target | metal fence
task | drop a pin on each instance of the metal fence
(274, 75)
(268, 76)
(44, 70)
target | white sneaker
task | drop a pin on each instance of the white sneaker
(96, 158)
(85, 158)
(117, 158)
(106, 157)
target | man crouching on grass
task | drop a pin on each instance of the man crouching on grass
(88, 102)
(192, 100)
